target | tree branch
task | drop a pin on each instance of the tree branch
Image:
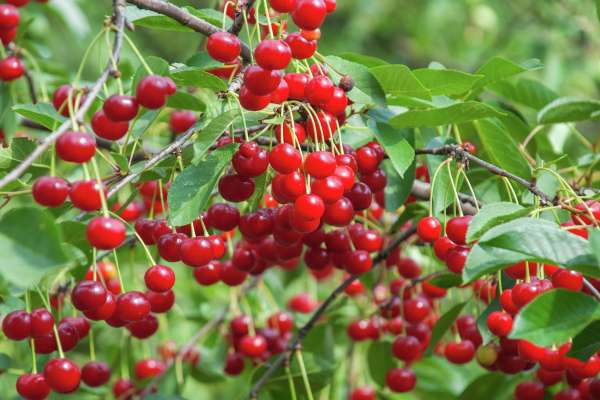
(238, 23)
(119, 22)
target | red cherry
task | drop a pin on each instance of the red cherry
(400, 380)
(252, 102)
(9, 16)
(196, 252)
(85, 195)
(50, 191)
(297, 84)
(331, 5)
(143, 328)
(60, 100)
(330, 189)
(223, 216)
(339, 213)
(144, 228)
(95, 373)
(499, 323)
(236, 188)
(261, 81)
(407, 348)
(320, 164)
(337, 103)
(17, 3)
(507, 303)
(151, 92)
(168, 246)
(32, 387)
(363, 393)
(302, 303)
(429, 229)
(11, 68)
(208, 274)
(120, 108)
(105, 311)
(105, 233)
(181, 120)
(442, 246)
(253, 346)
(416, 310)
(309, 14)
(529, 391)
(281, 321)
(159, 278)
(123, 389)
(319, 90)
(309, 206)
(88, 295)
(148, 368)
(301, 47)
(322, 127)
(16, 325)
(456, 258)
(234, 364)
(584, 218)
(456, 229)
(360, 195)
(106, 128)
(284, 158)
(250, 160)
(223, 46)
(7, 35)
(568, 279)
(408, 268)
(567, 394)
(42, 322)
(281, 93)
(459, 352)
(77, 147)
(282, 6)
(161, 302)
(523, 293)
(62, 375)
(132, 306)
(273, 54)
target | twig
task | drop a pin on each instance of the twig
(30, 86)
(279, 362)
(238, 23)
(119, 22)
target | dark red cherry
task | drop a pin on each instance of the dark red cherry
(416, 309)
(32, 387)
(144, 328)
(236, 188)
(250, 160)
(77, 147)
(429, 229)
(309, 14)
(358, 262)
(85, 195)
(62, 375)
(360, 195)
(120, 107)
(16, 325)
(168, 246)
(301, 47)
(273, 54)
(123, 389)
(42, 322)
(7, 35)
(95, 373)
(253, 346)
(297, 84)
(234, 364)
(400, 380)
(208, 274)
(261, 81)
(88, 295)
(529, 391)
(50, 191)
(407, 348)
(151, 92)
(230, 275)
(322, 127)
(161, 302)
(108, 129)
(284, 158)
(159, 278)
(132, 306)
(196, 252)
(145, 229)
(11, 68)
(223, 217)
(181, 120)
(105, 311)
(9, 16)
(367, 160)
(442, 246)
(456, 229)
(105, 233)
(319, 90)
(223, 46)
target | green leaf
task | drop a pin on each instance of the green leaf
(502, 148)
(524, 91)
(7, 116)
(197, 77)
(366, 88)
(399, 151)
(31, 246)
(491, 215)
(209, 135)
(446, 280)
(399, 80)
(41, 113)
(158, 65)
(143, 122)
(380, 360)
(499, 68)
(446, 81)
(154, 20)
(586, 343)
(554, 317)
(442, 325)
(494, 385)
(191, 189)
(203, 61)
(598, 10)
(186, 101)
(453, 114)
(594, 241)
(261, 184)
(568, 109)
(367, 61)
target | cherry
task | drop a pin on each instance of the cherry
(322, 127)
(161, 302)
(487, 355)
(88, 295)
(196, 252)
(11, 68)
(319, 90)
(123, 389)
(529, 391)
(261, 81)
(144, 228)
(234, 364)
(367, 160)
(459, 352)
(281, 93)
(148, 368)
(400, 380)
(42, 322)
(230, 275)
(62, 375)
(9, 16)
(251, 101)
(50, 191)
(151, 92)
(442, 246)
(105, 311)
(282, 6)
(257, 225)
(17, 3)
(223, 217)
(499, 323)
(309, 206)
(160, 228)
(181, 120)
(337, 103)
(284, 158)
(297, 84)
(330, 189)
(415, 310)
(273, 54)
(331, 6)
(168, 246)
(95, 373)
(108, 129)
(208, 274)
(585, 218)
(223, 46)
(456, 229)
(429, 229)
(132, 306)
(301, 47)
(81, 325)
(105, 233)
(60, 100)
(281, 321)
(567, 279)
(16, 325)
(339, 213)
(85, 195)
(144, 328)
(320, 164)
(7, 35)
(253, 346)
(309, 14)
(120, 107)
(507, 303)
(456, 258)
(250, 160)
(159, 278)
(302, 303)
(77, 147)
(407, 348)
(363, 393)
(567, 394)
(360, 195)
(33, 387)
(346, 175)
(523, 293)
(408, 268)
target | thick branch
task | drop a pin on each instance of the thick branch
(185, 18)
(238, 23)
(119, 22)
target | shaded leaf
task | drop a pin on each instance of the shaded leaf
(586, 343)
(446, 280)
(453, 114)
(398, 149)
(568, 109)
(527, 92)
(41, 113)
(499, 68)
(442, 325)
(186, 101)
(493, 385)
(380, 360)
(211, 132)
(197, 77)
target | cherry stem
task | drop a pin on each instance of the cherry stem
(114, 62)
(268, 18)
(92, 347)
(105, 211)
(290, 381)
(86, 54)
(304, 374)
(146, 250)
(455, 192)
(138, 54)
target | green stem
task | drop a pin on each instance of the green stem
(304, 375)
(138, 54)
(290, 382)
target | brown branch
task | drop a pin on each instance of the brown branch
(30, 86)
(238, 23)
(185, 18)
(304, 331)
(119, 22)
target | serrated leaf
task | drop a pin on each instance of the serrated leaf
(453, 114)
(442, 325)
(399, 80)
(209, 135)
(568, 109)
(491, 215)
(399, 151)
(524, 91)
(554, 317)
(192, 188)
(446, 81)
(197, 77)
(41, 113)
(366, 88)
(499, 68)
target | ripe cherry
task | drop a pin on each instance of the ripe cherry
(363, 393)
(60, 100)
(148, 368)
(62, 375)
(9, 16)
(85, 195)
(7, 35)
(251, 101)
(309, 206)
(223, 217)
(161, 302)
(284, 158)
(108, 129)
(297, 84)
(281, 93)
(253, 346)
(144, 328)
(11, 68)
(151, 92)
(106, 310)
(567, 279)
(339, 213)
(456, 229)
(105, 233)
(407, 348)
(132, 306)
(196, 252)
(33, 387)
(337, 103)
(42, 322)
(322, 127)
(282, 6)
(301, 47)
(262, 81)
(168, 246)
(223, 46)
(123, 389)
(181, 120)
(319, 90)
(400, 380)
(499, 323)
(459, 352)
(408, 268)
(50, 191)
(159, 278)
(273, 54)
(529, 391)
(360, 195)
(429, 229)
(208, 274)
(95, 373)
(415, 310)
(456, 259)
(77, 147)
(234, 364)
(330, 189)
(250, 160)
(302, 303)
(320, 164)
(281, 321)
(309, 14)
(120, 107)
(16, 325)
(88, 295)
(442, 246)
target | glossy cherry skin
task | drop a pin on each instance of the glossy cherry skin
(11, 68)
(322, 127)
(108, 129)
(319, 90)
(123, 389)
(429, 229)
(234, 364)
(42, 322)
(529, 391)
(253, 346)
(281, 93)
(9, 16)
(76, 147)
(168, 246)
(250, 160)
(223, 46)
(95, 373)
(161, 302)
(442, 246)
(120, 107)
(408, 268)
(148, 368)
(567, 279)
(285, 158)
(273, 54)
(159, 278)
(182, 120)
(339, 213)
(151, 92)
(407, 348)
(400, 380)
(456, 229)
(105, 233)
(309, 14)
(236, 188)
(360, 195)
(62, 375)
(251, 101)
(358, 262)
(320, 164)
(459, 352)
(499, 323)
(282, 6)
(106, 310)
(196, 252)
(144, 328)
(330, 189)
(309, 206)
(208, 274)
(50, 191)
(16, 325)
(261, 81)
(7, 35)
(297, 84)
(337, 103)
(33, 387)
(223, 217)
(60, 100)
(301, 47)
(132, 306)
(85, 195)
(456, 258)
(88, 295)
